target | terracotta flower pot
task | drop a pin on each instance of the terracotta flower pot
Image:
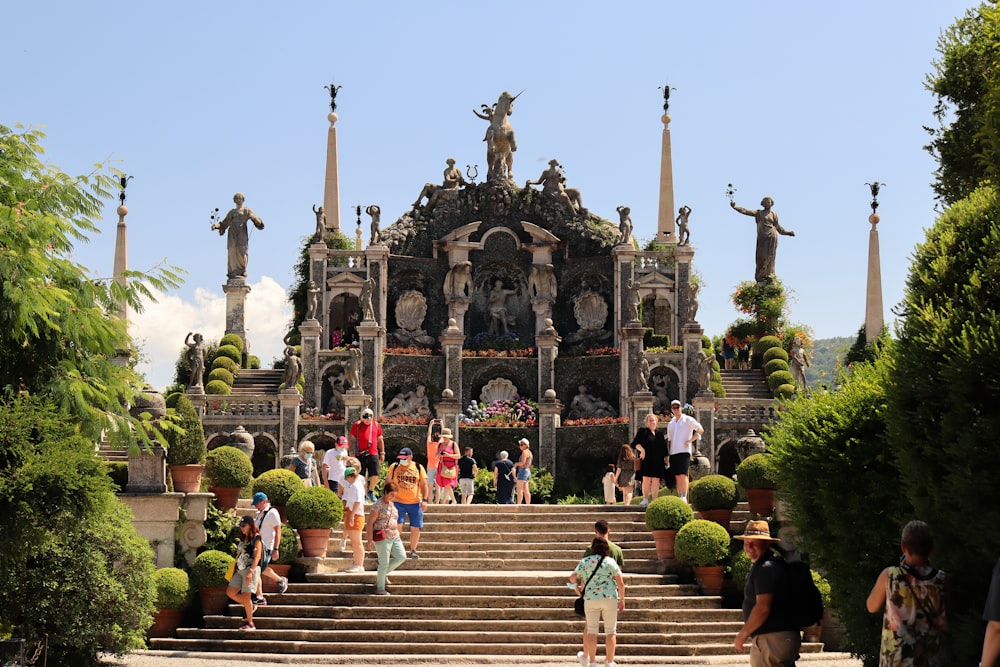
(315, 541)
(187, 478)
(761, 501)
(709, 578)
(165, 623)
(281, 513)
(226, 498)
(664, 540)
(721, 517)
(281, 571)
(213, 600)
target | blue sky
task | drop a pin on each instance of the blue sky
(804, 102)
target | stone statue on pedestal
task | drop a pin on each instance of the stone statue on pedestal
(293, 367)
(239, 237)
(376, 214)
(542, 282)
(500, 320)
(624, 225)
(312, 300)
(320, 224)
(447, 190)
(768, 230)
(553, 185)
(458, 282)
(683, 232)
(500, 141)
(632, 300)
(797, 363)
(352, 370)
(641, 376)
(196, 359)
(587, 406)
(367, 294)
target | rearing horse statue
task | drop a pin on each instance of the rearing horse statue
(500, 142)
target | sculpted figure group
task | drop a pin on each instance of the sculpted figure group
(553, 183)
(434, 193)
(500, 141)
(409, 403)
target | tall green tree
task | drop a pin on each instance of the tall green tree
(56, 336)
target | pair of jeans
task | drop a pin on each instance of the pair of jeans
(391, 555)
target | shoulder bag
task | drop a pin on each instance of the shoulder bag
(578, 603)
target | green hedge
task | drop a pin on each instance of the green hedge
(228, 364)
(172, 588)
(230, 351)
(233, 340)
(314, 507)
(278, 485)
(713, 492)
(668, 513)
(758, 471)
(228, 467)
(785, 391)
(778, 378)
(775, 353)
(187, 448)
(218, 388)
(222, 374)
(772, 366)
(702, 543)
(210, 569)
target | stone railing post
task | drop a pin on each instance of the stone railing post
(447, 411)
(311, 330)
(549, 411)
(451, 345)
(288, 424)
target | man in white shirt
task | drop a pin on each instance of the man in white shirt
(334, 465)
(269, 524)
(682, 431)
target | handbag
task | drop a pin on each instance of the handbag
(231, 572)
(378, 535)
(578, 603)
(448, 469)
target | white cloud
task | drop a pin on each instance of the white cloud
(160, 329)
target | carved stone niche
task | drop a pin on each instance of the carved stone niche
(591, 312)
(498, 389)
(411, 309)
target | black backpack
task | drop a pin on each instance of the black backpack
(802, 601)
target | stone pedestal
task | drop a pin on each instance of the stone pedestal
(192, 533)
(640, 405)
(355, 401)
(543, 311)
(288, 440)
(310, 331)
(630, 340)
(451, 345)
(372, 337)
(547, 343)
(448, 410)
(155, 518)
(457, 308)
(236, 290)
(624, 258)
(704, 407)
(549, 411)
(147, 471)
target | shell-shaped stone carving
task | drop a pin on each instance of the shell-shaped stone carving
(498, 389)
(591, 311)
(411, 309)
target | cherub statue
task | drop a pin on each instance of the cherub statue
(376, 213)
(320, 224)
(367, 294)
(624, 225)
(352, 369)
(293, 367)
(312, 300)
(683, 232)
(196, 359)
(458, 282)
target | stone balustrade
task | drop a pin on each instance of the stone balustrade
(745, 412)
(262, 406)
(347, 260)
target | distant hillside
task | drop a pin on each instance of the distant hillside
(826, 353)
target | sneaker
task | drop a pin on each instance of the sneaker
(356, 568)
(248, 626)
(643, 503)
(381, 591)
(414, 554)
(283, 584)
(582, 657)
(612, 664)
(259, 601)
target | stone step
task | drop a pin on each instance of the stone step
(695, 619)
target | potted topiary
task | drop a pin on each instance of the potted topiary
(287, 551)
(714, 497)
(208, 575)
(278, 485)
(814, 633)
(664, 517)
(313, 512)
(704, 545)
(228, 471)
(172, 593)
(758, 475)
(186, 451)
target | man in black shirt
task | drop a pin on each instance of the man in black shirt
(775, 638)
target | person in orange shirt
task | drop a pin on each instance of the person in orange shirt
(432, 461)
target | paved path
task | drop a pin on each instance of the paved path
(181, 659)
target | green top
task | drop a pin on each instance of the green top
(616, 553)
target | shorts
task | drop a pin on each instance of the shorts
(523, 474)
(679, 464)
(265, 558)
(596, 609)
(467, 486)
(332, 485)
(432, 474)
(358, 523)
(413, 511)
(370, 465)
(239, 580)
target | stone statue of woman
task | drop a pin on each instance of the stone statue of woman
(239, 239)
(768, 230)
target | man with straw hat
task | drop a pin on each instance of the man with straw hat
(774, 636)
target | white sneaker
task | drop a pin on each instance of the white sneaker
(643, 503)
(582, 657)
(612, 664)
(356, 568)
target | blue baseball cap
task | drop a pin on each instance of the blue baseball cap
(259, 497)
(405, 451)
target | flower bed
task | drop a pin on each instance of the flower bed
(486, 341)
(517, 411)
(313, 414)
(530, 352)
(602, 351)
(403, 419)
(410, 351)
(595, 421)
(672, 349)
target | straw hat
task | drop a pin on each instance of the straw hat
(757, 530)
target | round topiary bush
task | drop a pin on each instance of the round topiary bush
(230, 351)
(253, 361)
(289, 547)
(172, 588)
(222, 375)
(234, 340)
(172, 398)
(769, 366)
(775, 353)
(778, 378)
(668, 513)
(187, 448)
(217, 387)
(785, 391)
(757, 471)
(228, 467)
(279, 485)
(740, 568)
(314, 507)
(765, 343)
(701, 543)
(209, 569)
(228, 364)
(713, 492)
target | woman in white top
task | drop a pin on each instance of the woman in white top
(354, 516)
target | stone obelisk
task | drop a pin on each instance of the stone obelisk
(665, 219)
(873, 298)
(121, 258)
(331, 186)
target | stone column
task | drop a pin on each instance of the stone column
(310, 331)
(873, 297)
(547, 343)
(549, 411)
(331, 186)
(147, 471)
(624, 258)
(372, 347)
(447, 411)
(236, 290)
(317, 274)
(288, 425)
(704, 406)
(665, 217)
(630, 360)
(691, 337)
(457, 308)
(640, 405)
(451, 346)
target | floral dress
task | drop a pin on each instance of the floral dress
(914, 619)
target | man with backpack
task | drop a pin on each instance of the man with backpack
(410, 479)
(768, 617)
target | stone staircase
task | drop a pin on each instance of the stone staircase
(745, 384)
(257, 381)
(490, 581)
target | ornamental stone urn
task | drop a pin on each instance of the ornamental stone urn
(242, 440)
(750, 444)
